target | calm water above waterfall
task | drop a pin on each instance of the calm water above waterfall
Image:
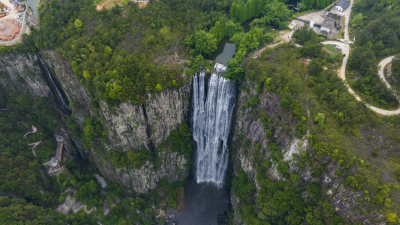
(227, 53)
(212, 116)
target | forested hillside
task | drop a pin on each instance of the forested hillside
(302, 149)
(345, 158)
(121, 54)
(376, 27)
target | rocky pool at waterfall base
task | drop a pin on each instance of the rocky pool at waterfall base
(205, 204)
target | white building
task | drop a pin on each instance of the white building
(342, 5)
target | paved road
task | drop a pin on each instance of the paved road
(347, 14)
(342, 72)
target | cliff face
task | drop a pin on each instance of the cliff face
(251, 131)
(79, 100)
(173, 168)
(21, 72)
(254, 126)
(266, 139)
(130, 128)
(165, 111)
(143, 126)
(126, 126)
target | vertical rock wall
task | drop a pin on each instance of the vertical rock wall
(130, 128)
(21, 72)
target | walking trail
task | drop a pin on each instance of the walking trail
(342, 72)
(34, 144)
(344, 45)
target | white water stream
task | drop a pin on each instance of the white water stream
(212, 116)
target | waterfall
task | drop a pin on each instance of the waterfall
(212, 114)
(53, 86)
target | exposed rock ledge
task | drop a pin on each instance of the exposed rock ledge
(136, 126)
(71, 205)
(129, 127)
(173, 168)
(21, 72)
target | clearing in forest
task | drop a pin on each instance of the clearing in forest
(11, 15)
(108, 4)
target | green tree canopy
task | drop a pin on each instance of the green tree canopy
(78, 24)
(202, 43)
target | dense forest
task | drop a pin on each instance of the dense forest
(111, 50)
(33, 193)
(125, 53)
(121, 54)
(315, 4)
(243, 11)
(29, 196)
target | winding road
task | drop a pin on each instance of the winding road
(381, 72)
(342, 72)
(34, 144)
(285, 36)
(344, 45)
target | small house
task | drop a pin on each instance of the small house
(332, 23)
(342, 5)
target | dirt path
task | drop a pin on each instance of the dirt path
(71, 205)
(342, 72)
(382, 66)
(34, 144)
(285, 36)
(344, 45)
(347, 14)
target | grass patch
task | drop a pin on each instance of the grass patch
(340, 35)
(330, 48)
(108, 4)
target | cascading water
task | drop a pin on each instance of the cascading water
(53, 86)
(212, 115)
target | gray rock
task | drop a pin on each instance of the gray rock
(76, 94)
(21, 72)
(165, 111)
(129, 127)
(126, 126)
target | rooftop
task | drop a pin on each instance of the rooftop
(344, 4)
